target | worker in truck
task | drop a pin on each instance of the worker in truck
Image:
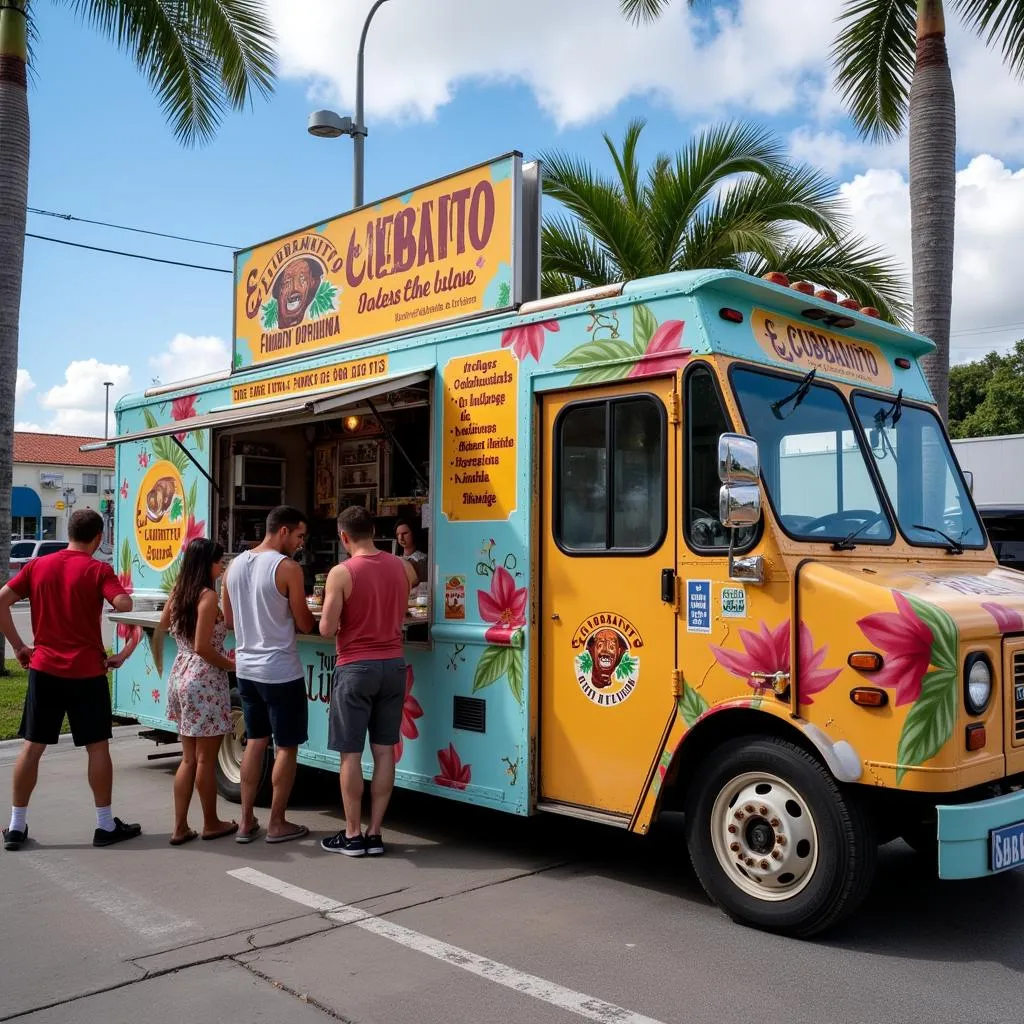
(67, 669)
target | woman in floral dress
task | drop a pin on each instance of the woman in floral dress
(198, 689)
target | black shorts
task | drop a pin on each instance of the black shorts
(368, 696)
(275, 709)
(86, 702)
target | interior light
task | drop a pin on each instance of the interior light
(352, 423)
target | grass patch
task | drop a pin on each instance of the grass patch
(12, 700)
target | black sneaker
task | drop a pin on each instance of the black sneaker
(341, 843)
(118, 834)
(374, 845)
(13, 838)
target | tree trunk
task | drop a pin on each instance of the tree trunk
(933, 193)
(13, 203)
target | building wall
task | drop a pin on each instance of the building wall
(28, 474)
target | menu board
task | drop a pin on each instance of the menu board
(480, 443)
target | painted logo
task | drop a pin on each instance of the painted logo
(455, 597)
(606, 663)
(734, 603)
(161, 516)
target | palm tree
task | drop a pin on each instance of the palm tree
(728, 199)
(893, 70)
(201, 57)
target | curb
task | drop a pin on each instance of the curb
(119, 731)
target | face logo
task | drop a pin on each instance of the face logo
(295, 288)
(607, 667)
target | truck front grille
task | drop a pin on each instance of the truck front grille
(1018, 696)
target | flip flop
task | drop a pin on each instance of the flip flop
(229, 831)
(186, 838)
(249, 835)
(289, 836)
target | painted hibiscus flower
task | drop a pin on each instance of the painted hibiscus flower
(906, 643)
(505, 606)
(182, 409)
(124, 488)
(411, 710)
(454, 774)
(663, 351)
(767, 651)
(528, 340)
(144, 459)
(1007, 619)
(194, 530)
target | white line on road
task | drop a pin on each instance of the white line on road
(501, 974)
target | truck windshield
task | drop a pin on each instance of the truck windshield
(814, 466)
(919, 472)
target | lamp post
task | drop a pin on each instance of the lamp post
(326, 124)
(108, 384)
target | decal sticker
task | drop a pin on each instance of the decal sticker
(698, 606)
(734, 603)
(455, 597)
(161, 515)
(606, 664)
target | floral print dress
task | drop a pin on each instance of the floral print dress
(198, 696)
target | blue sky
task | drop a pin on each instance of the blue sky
(102, 150)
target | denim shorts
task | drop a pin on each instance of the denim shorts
(275, 709)
(367, 697)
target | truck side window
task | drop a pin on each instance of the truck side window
(706, 421)
(610, 476)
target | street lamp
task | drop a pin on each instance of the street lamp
(326, 124)
(108, 384)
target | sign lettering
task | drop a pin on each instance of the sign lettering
(317, 379)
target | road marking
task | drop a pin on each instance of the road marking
(501, 974)
(130, 909)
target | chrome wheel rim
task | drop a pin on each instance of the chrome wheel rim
(229, 757)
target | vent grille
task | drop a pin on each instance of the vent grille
(470, 713)
(1018, 696)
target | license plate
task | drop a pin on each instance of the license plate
(1006, 847)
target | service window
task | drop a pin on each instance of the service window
(610, 476)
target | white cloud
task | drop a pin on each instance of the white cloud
(579, 57)
(987, 311)
(33, 428)
(832, 151)
(78, 403)
(24, 385)
(188, 356)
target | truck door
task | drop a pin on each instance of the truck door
(608, 624)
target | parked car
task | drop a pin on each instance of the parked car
(1005, 527)
(23, 551)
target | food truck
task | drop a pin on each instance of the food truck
(696, 542)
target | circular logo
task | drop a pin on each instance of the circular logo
(160, 515)
(606, 664)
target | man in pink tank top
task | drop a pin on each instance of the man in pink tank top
(364, 606)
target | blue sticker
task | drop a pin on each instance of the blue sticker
(698, 606)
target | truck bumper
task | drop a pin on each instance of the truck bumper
(966, 841)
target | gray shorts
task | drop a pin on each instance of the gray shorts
(368, 696)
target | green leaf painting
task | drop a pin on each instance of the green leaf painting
(626, 667)
(125, 561)
(177, 510)
(603, 350)
(930, 722)
(691, 705)
(147, 415)
(496, 663)
(237, 362)
(165, 448)
(191, 506)
(170, 575)
(644, 326)
(586, 663)
(268, 315)
(325, 300)
(504, 294)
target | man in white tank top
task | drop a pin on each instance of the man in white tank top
(265, 603)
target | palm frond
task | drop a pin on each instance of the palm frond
(201, 57)
(998, 21)
(626, 164)
(873, 57)
(852, 266)
(552, 284)
(639, 11)
(573, 252)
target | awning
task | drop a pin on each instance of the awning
(25, 502)
(257, 412)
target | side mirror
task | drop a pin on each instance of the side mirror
(739, 469)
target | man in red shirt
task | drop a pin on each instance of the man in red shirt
(67, 669)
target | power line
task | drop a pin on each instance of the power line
(131, 255)
(124, 227)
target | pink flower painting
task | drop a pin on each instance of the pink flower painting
(182, 409)
(905, 641)
(504, 606)
(663, 351)
(124, 489)
(767, 652)
(144, 459)
(454, 774)
(528, 340)
(194, 530)
(411, 710)
(1008, 620)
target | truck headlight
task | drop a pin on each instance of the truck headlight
(977, 683)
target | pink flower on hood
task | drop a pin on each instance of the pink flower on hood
(505, 606)
(663, 351)
(194, 530)
(528, 340)
(182, 409)
(411, 710)
(454, 774)
(767, 651)
(906, 643)
(1007, 619)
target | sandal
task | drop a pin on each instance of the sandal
(229, 831)
(249, 835)
(186, 838)
(289, 836)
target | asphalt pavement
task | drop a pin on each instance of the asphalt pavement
(470, 917)
(23, 620)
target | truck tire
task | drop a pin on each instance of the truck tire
(229, 760)
(774, 840)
